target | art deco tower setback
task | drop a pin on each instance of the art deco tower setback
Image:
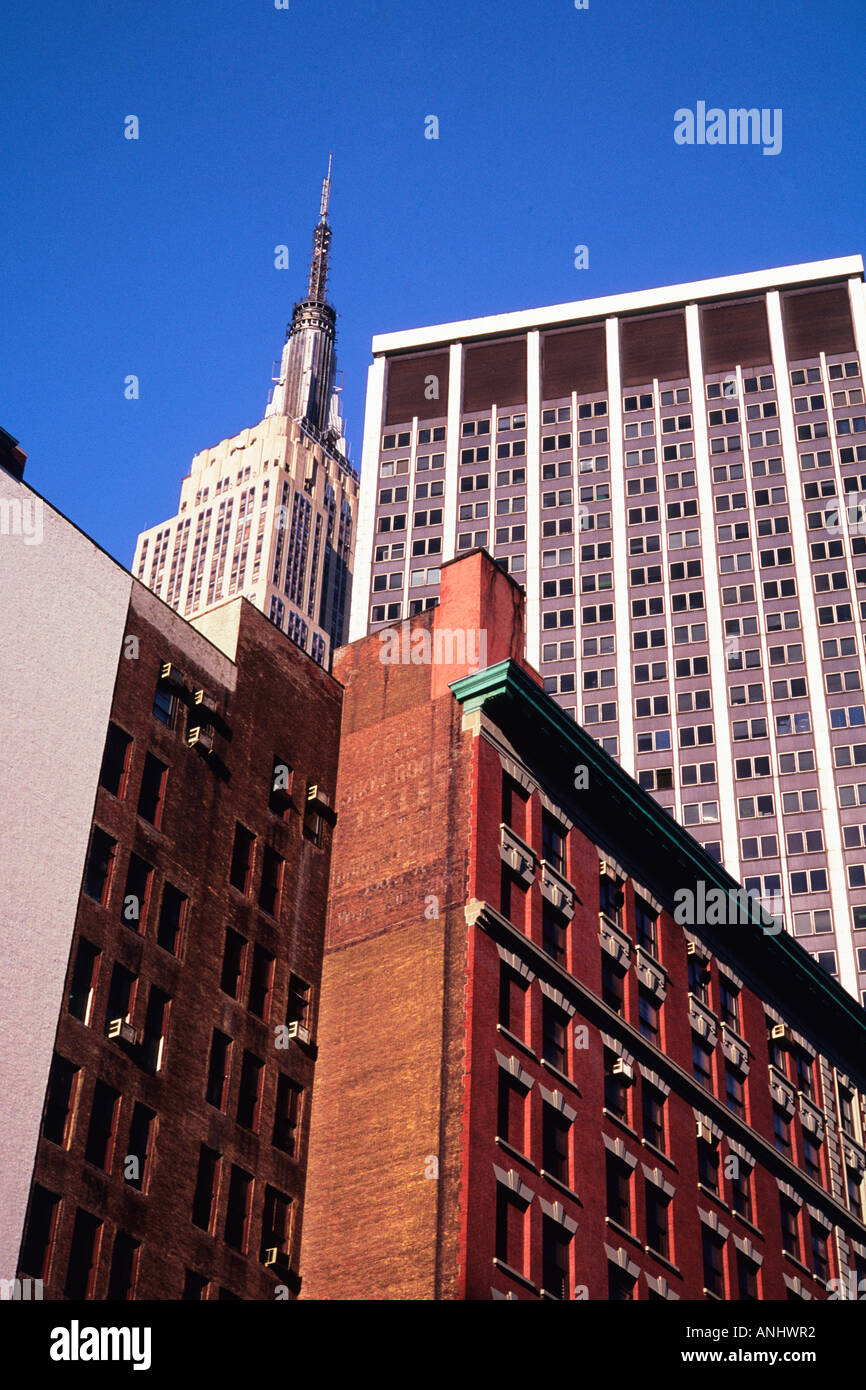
(674, 477)
(270, 513)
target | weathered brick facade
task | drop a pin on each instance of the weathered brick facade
(270, 703)
(525, 1037)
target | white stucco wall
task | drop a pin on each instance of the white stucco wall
(63, 607)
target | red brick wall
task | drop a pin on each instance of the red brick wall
(283, 705)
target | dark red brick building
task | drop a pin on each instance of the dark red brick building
(171, 1158)
(541, 1074)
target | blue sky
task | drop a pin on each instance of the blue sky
(156, 256)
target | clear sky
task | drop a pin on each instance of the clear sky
(155, 257)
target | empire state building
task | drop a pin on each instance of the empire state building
(271, 512)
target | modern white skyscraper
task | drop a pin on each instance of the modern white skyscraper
(674, 476)
(270, 513)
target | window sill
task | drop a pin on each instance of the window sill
(804, 1269)
(560, 1075)
(660, 1153)
(561, 1186)
(663, 1260)
(621, 1124)
(716, 1297)
(515, 1153)
(514, 1274)
(708, 1192)
(744, 1221)
(621, 1231)
(518, 1042)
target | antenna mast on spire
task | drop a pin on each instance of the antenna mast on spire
(321, 244)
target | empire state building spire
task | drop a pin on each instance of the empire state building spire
(305, 390)
(321, 244)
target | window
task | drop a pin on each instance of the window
(804, 1073)
(555, 1132)
(238, 1210)
(83, 1256)
(657, 1220)
(206, 1189)
(101, 1132)
(708, 1165)
(261, 982)
(554, 1254)
(218, 1070)
(653, 1114)
(155, 1029)
(782, 1130)
(38, 1244)
(610, 897)
(846, 1110)
(250, 1093)
(141, 1133)
(553, 927)
(702, 1063)
(735, 1096)
(620, 1284)
(287, 1116)
(136, 894)
(115, 761)
(276, 1223)
(648, 1015)
(853, 1185)
(613, 985)
(150, 798)
(298, 1010)
(100, 863)
(646, 924)
(312, 821)
(618, 1191)
(713, 1257)
(554, 1035)
(121, 994)
(811, 1156)
(172, 915)
(729, 1002)
(741, 1190)
(164, 705)
(234, 957)
(242, 858)
(60, 1101)
(615, 1087)
(747, 1278)
(510, 1228)
(83, 981)
(699, 978)
(511, 1111)
(280, 796)
(818, 1241)
(512, 1000)
(124, 1268)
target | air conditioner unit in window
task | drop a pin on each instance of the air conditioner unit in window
(621, 1068)
(120, 1031)
(298, 1031)
(316, 795)
(780, 1032)
(170, 675)
(275, 1258)
(199, 697)
(200, 736)
(704, 1132)
(692, 949)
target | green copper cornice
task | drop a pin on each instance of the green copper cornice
(509, 685)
